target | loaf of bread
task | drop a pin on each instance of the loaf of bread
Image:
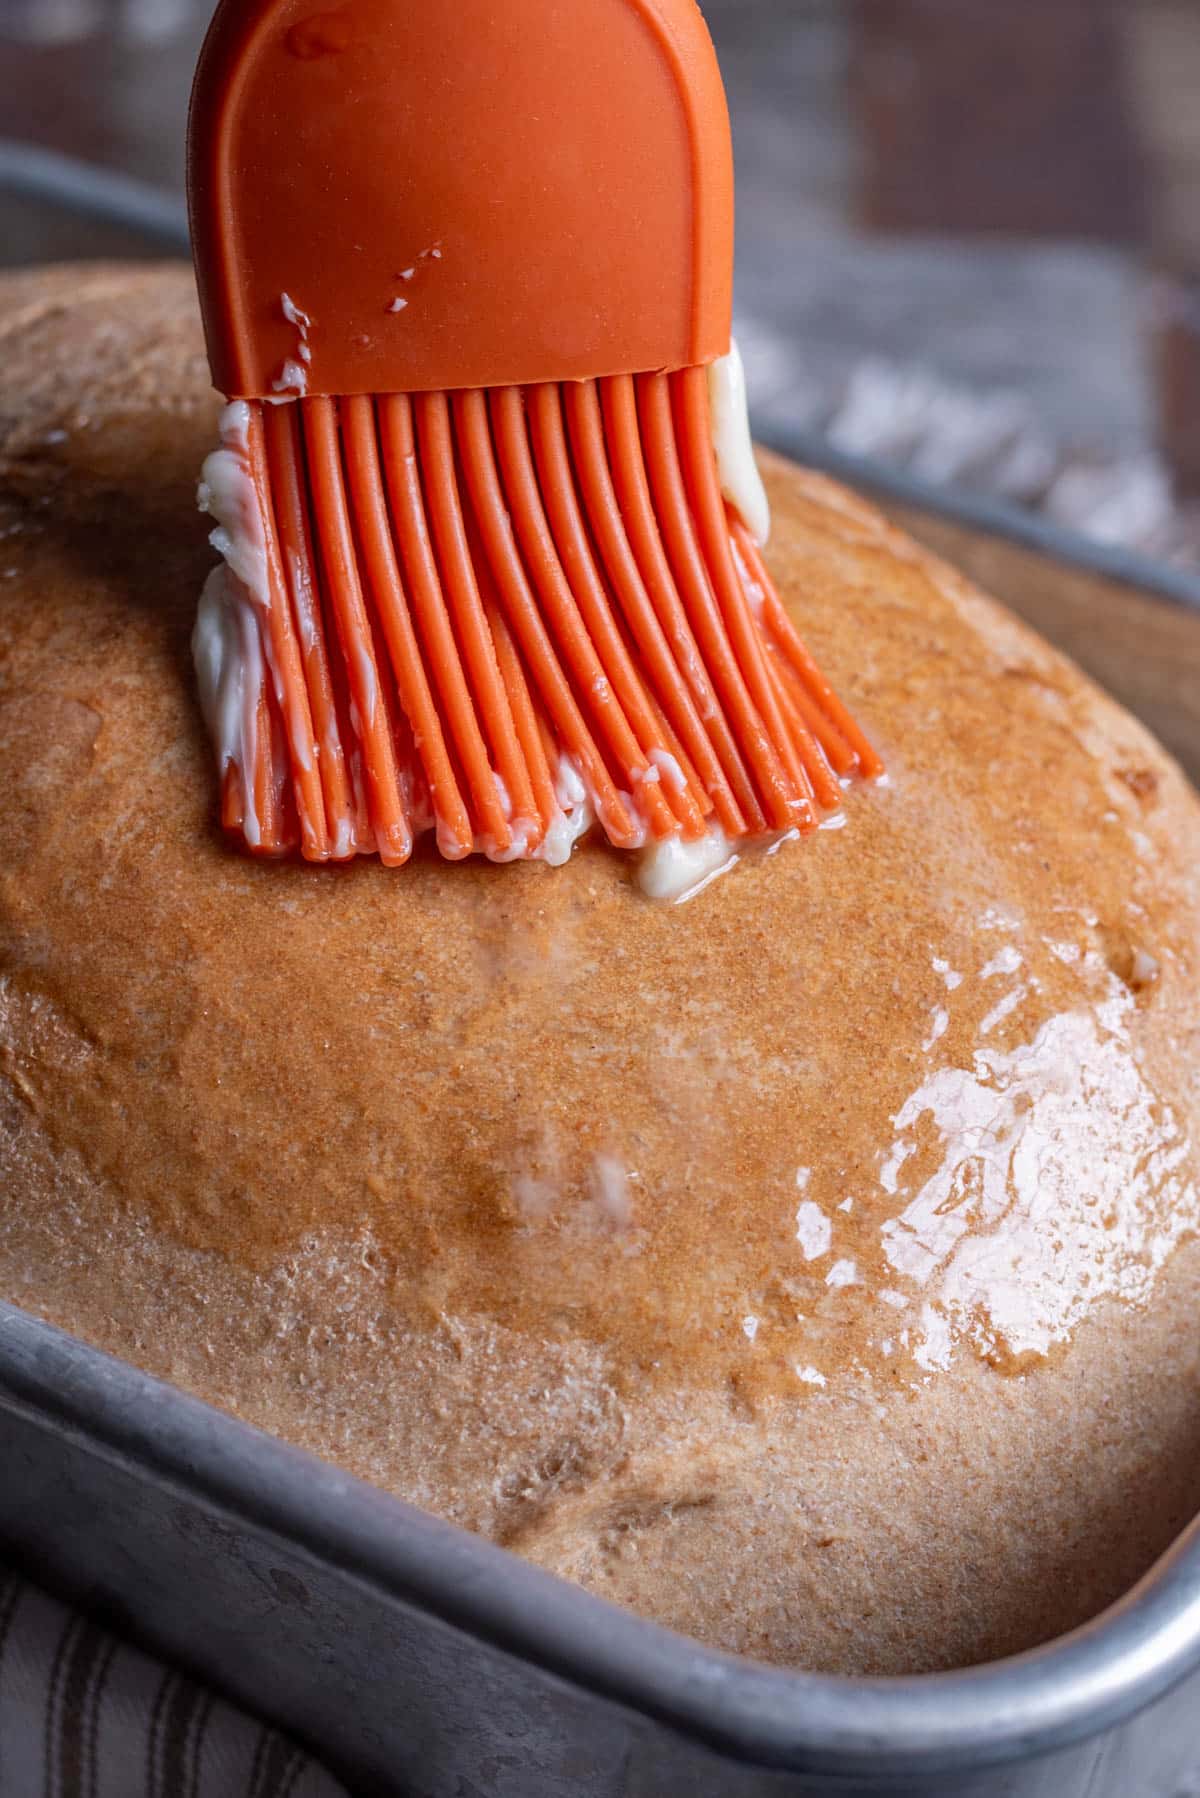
(810, 1267)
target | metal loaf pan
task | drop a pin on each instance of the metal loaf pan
(419, 1662)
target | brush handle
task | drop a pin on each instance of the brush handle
(466, 195)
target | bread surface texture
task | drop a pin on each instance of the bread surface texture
(809, 1267)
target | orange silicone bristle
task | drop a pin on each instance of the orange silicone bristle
(486, 579)
(869, 763)
(523, 611)
(343, 582)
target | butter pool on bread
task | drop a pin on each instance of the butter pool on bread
(811, 1268)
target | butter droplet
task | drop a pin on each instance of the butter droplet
(814, 1232)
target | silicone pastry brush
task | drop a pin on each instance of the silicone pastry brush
(486, 496)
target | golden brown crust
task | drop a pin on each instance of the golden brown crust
(699, 1253)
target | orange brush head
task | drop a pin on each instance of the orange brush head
(466, 194)
(461, 270)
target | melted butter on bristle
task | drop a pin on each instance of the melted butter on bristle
(737, 465)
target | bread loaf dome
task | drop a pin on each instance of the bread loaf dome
(809, 1267)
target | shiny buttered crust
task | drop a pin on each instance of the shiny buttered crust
(807, 1267)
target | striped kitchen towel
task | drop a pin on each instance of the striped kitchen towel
(84, 1716)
